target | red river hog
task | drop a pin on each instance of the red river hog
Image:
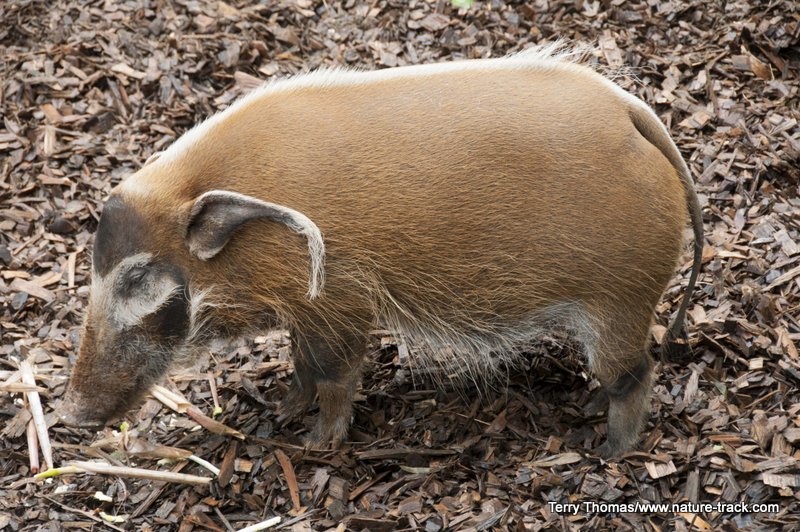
(468, 206)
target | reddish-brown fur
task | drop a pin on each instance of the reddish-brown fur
(469, 201)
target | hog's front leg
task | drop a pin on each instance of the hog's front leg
(302, 390)
(332, 365)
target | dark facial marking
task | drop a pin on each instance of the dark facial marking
(170, 323)
(122, 232)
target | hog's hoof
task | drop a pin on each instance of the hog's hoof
(292, 409)
(313, 444)
(325, 437)
(296, 403)
(597, 404)
(611, 451)
(70, 416)
(607, 451)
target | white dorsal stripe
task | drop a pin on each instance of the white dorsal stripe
(545, 56)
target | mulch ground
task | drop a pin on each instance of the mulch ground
(90, 89)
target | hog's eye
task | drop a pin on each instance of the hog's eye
(134, 278)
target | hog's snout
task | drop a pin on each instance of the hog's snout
(71, 414)
(71, 420)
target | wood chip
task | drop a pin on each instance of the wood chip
(33, 289)
(289, 476)
(557, 460)
(659, 470)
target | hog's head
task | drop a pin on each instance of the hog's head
(143, 310)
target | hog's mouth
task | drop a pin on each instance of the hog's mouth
(77, 413)
(71, 420)
(72, 416)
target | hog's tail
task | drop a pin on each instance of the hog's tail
(651, 128)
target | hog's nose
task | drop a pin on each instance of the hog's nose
(71, 420)
(68, 416)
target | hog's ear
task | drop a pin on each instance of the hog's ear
(217, 214)
(153, 158)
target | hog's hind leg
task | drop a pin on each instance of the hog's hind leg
(618, 357)
(628, 404)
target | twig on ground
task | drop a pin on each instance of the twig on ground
(13, 385)
(224, 520)
(212, 383)
(35, 406)
(84, 513)
(33, 447)
(179, 404)
(263, 525)
(208, 465)
(121, 471)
